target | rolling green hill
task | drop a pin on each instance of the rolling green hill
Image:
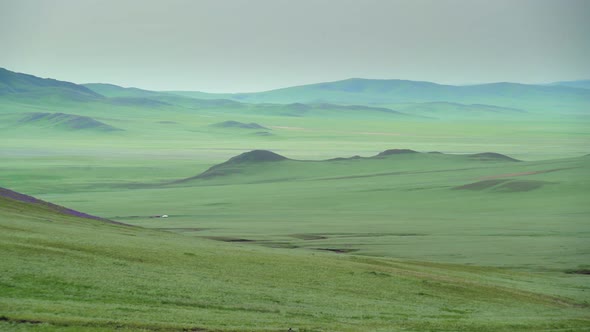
(252, 165)
(19, 91)
(350, 98)
(67, 122)
(194, 101)
(62, 272)
(424, 110)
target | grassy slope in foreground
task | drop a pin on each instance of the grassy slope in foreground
(61, 272)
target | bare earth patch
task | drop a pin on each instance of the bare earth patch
(504, 185)
(339, 250)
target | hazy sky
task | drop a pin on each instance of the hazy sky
(253, 45)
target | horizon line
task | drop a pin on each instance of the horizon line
(312, 83)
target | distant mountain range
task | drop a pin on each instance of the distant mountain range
(382, 95)
(383, 92)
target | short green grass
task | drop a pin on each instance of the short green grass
(63, 273)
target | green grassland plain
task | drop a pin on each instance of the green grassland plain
(96, 172)
(343, 245)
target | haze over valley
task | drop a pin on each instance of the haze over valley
(162, 172)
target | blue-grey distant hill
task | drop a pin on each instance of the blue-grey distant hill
(111, 90)
(383, 92)
(120, 94)
(28, 89)
(356, 96)
(32, 87)
(582, 84)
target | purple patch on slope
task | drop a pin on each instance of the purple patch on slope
(57, 208)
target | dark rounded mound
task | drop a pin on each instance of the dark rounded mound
(492, 156)
(256, 156)
(66, 121)
(395, 151)
(229, 167)
(344, 158)
(236, 124)
(263, 133)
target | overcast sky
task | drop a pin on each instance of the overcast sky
(254, 45)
